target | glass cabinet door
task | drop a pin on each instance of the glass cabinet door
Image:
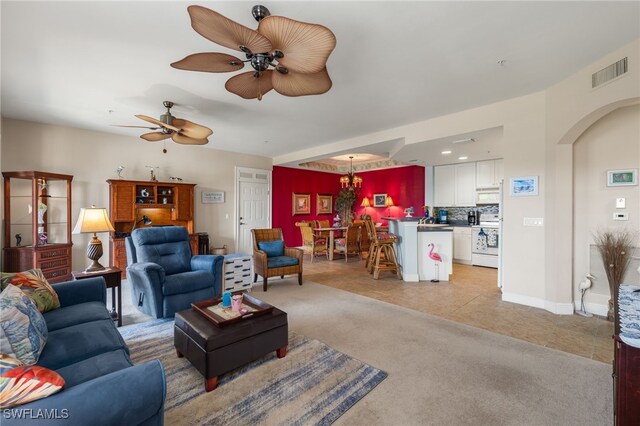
(52, 212)
(21, 211)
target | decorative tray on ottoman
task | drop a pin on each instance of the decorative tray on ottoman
(213, 311)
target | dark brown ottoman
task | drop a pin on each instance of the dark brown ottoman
(216, 350)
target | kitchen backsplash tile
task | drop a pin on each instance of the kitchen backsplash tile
(460, 213)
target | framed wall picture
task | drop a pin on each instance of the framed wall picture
(523, 186)
(624, 177)
(379, 199)
(212, 197)
(301, 203)
(324, 204)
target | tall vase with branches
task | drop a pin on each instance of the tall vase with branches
(345, 202)
(615, 248)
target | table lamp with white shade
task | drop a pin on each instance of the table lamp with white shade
(91, 221)
(388, 203)
(365, 203)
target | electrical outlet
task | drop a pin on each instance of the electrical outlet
(533, 221)
(620, 216)
(620, 203)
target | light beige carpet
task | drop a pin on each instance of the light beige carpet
(441, 372)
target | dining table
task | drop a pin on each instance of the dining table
(331, 231)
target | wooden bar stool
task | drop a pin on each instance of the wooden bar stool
(382, 254)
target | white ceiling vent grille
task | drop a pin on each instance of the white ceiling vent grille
(609, 73)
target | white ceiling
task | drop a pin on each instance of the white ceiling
(94, 64)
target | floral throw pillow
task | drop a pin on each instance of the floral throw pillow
(23, 331)
(35, 285)
(20, 384)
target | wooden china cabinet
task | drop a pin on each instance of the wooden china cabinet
(164, 203)
(37, 223)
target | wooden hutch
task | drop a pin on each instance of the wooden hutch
(37, 223)
(164, 203)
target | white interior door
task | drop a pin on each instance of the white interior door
(253, 205)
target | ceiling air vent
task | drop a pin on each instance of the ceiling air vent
(609, 73)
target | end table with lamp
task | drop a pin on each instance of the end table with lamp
(112, 278)
(91, 221)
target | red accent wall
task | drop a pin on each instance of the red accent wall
(405, 185)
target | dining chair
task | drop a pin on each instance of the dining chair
(365, 241)
(323, 224)
(311, 243)
(350, 243)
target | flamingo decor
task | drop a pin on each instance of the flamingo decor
(436, 258)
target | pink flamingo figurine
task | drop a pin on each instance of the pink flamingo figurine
(436, 258)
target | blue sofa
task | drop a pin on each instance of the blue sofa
(165, 278)
(102, 387)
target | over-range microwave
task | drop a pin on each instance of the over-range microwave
(488, 196)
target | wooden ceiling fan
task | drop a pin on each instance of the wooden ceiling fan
(179, 130)
(286, 55)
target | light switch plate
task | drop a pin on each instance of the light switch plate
(620, 216)
(620, 203)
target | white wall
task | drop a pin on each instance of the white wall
(604, 146)
(92, 158)
(539, 130)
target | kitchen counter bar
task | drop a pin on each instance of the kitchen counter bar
(413, 248)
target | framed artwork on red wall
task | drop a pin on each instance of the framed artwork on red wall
(324, 204)
(379, 199)
(301, 203)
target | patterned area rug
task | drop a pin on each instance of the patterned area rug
(313, 385)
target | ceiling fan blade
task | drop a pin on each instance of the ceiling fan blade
(306, 47)
(191, 129)
(155, 136)
(298, 84)
(247, 86)
(209, 62)
(137, 127)
(225, 32)
(186, 140)
(158, 122)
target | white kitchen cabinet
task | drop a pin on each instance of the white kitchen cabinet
(465, 185)
(489, 173)
(462, 245)
(444, 186)
(454, 185)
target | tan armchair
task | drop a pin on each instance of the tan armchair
(271, 258)
(312, 243)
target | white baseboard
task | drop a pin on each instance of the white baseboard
(413, 278)
(556, 308)
(594, 308)
(523, 300)
(559, 308)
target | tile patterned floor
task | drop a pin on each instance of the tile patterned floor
(471, 297)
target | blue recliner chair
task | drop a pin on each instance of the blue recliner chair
(164, 276)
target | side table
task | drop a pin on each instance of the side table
(112, 276)
(236, 272)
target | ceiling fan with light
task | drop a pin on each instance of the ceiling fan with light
(286, 55)
(179, 130)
